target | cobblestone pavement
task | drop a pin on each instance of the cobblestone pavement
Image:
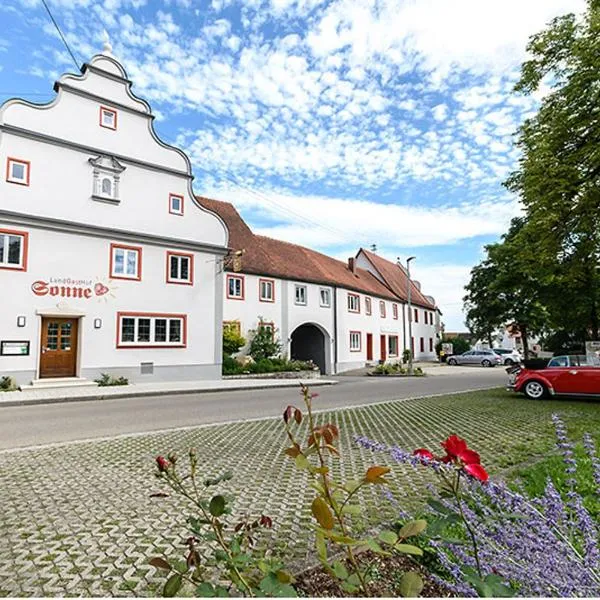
(77, 519)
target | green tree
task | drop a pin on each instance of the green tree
(558, 178)
(505, 289)
(264, 344)
(232, 340)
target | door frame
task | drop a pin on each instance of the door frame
(76, 316)
(369, 343)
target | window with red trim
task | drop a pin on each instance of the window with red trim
(266, 290)
(235, 287)
(108, 118)
(353, 303)
(180, 268)
(430, 344)
(422, 344)
(125, 262)
(355, 341)
(176, 204)
(14, 246)
(151, 330)
(368, 309)
(268, 326)
(17, 171)
(416, 315)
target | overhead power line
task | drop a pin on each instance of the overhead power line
(62, 37)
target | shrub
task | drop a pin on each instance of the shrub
(459, 345)
(106, 380)
(231, 366)
(406, 355)
(545, 546)
(232, 341)
(264, 343)
(232, 542)
(334, 507)
(8, 384)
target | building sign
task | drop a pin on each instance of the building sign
(14, 348)
(65, 287)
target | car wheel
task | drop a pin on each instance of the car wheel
(509, 362)
(452, 362)
(486, 363)
(534, 390)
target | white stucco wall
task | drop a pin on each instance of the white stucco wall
(70, 232)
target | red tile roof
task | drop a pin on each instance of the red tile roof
(396, 279)
(268, 256)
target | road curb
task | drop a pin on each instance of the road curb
(138, 393)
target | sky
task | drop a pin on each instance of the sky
(334, 125)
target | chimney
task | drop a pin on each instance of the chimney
(352, 264)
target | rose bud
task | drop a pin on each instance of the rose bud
(162, 463)
(266, 521)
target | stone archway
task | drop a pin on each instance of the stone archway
(308, 342)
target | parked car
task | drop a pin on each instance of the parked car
(510, 357)
(485, 358)
(562, 376)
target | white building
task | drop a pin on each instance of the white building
(107, 261)
(341, 316)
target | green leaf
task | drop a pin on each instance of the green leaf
(439, 507)
(375, 547)
(221, 591)
(351, 486)
(412, 528)
(408, 549)
(172, 585)
(205, 590)
(217, 506)
(354, 580)
(160, 563)
(411, 585)
(340, 570)
(302, 462)
(388, 537)
(321, 546)
(348, 587)
(181, 567)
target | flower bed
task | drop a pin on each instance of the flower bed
(312, 374)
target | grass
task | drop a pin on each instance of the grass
(96, 494)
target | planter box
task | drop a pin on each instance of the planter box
(280, 375)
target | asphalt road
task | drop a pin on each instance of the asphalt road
(22, 426)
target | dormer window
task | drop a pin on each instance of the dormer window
(106, 179)
(108, 118)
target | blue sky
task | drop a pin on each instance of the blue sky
(330, 124)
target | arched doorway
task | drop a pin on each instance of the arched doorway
(309, 343)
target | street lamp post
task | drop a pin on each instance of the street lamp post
(410, 316)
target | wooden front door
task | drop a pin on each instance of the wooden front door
(382, 347)
(369, 346)
(58, 348)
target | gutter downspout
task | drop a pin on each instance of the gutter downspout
(404, 325)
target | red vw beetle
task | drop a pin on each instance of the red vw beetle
(562, 376)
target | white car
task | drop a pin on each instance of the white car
(510, 357)
(485, 358)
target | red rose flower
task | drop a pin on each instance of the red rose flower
(469, 457)
(423, 453)
(162, 463)
(454, 446)
(477, 471)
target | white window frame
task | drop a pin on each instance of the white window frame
(104, 110)
(325, 297)
(173, 210)
(355, 341)
(235, 295)
(368, 306)
(382, 309)
(152, 342)
(297, 299)
(7, 234)
(127, 250)
(353, 303)
(390, 352)
(180, 258)
(10, 178)
(263, 285)
(395, 311)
